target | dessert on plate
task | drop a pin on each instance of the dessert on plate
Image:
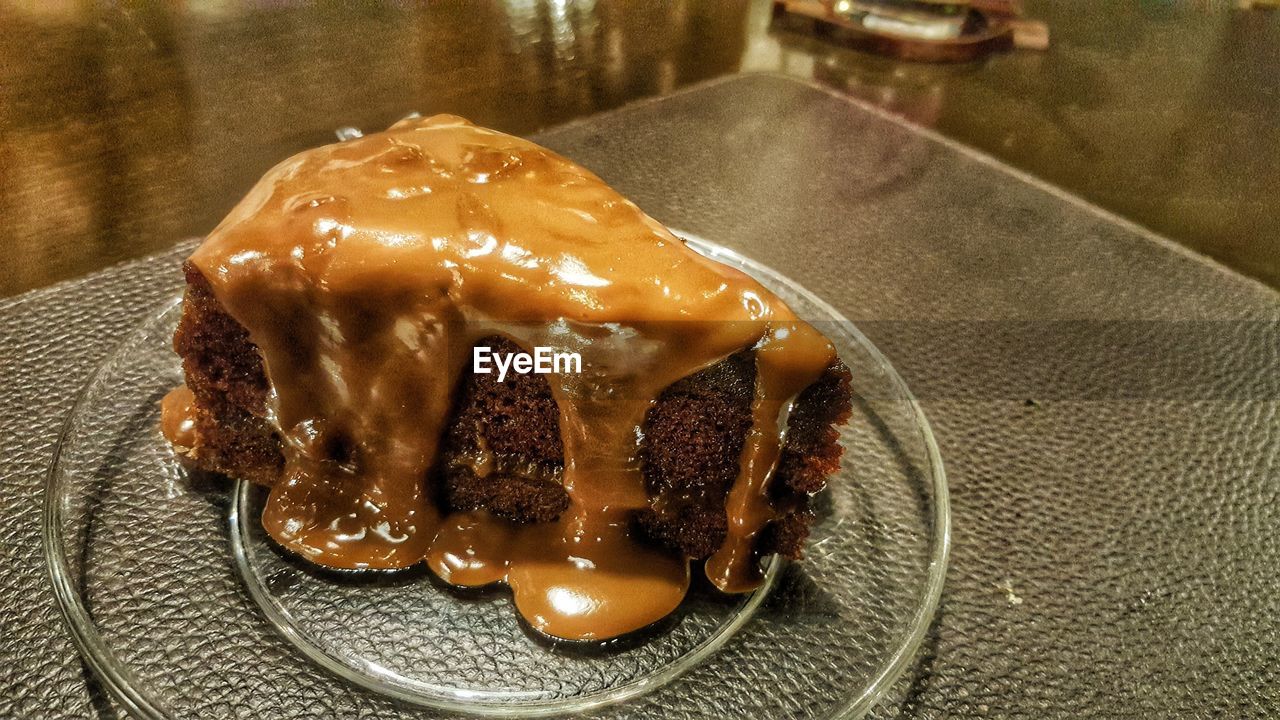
(332, 337)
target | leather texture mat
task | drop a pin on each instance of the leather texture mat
(1106, 404)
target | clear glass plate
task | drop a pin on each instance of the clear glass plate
(183, 609)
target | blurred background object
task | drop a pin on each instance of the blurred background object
(125, 127)
(918, 30)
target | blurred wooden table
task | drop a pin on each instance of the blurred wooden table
(123, 130)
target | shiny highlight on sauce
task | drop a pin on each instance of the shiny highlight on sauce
(365, 272)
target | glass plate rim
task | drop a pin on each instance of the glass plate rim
(124, 687)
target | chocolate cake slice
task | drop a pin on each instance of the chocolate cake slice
(331, 339)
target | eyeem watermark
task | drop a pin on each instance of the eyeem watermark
(542, 360)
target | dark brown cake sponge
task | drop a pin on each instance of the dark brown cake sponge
(224, 372)
(693, 438)
(693, 443)
(501, 449)
(810, 454)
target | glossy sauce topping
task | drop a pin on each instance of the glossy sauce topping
(366, 271)
(178, 418)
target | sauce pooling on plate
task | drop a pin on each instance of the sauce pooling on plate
(366, 271)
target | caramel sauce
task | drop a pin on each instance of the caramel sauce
(178, 419)
(366, 271)
(783, 371)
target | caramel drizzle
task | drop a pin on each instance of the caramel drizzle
(178, 419)
(366, 271)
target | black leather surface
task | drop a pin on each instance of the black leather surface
(1107, 406)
